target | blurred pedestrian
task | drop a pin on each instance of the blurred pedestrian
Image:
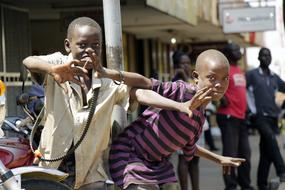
(231, 120)
(262, 83)
(182, 66)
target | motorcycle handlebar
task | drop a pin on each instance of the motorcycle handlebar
(23, 99)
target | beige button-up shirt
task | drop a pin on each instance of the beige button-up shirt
(65, 120)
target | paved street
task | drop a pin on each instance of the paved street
(211, 174)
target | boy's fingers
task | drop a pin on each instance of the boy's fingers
(84, 66)
(201, 91)
(238, 159)
(93, 57)
(80, 71)
(75, 63)
(190, 114)
(206, 93)
(77, 81)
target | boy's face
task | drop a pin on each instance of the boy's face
(215, 76)
(85, 41)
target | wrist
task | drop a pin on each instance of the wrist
(50, 70)
(182, 107)
(102, 72)
(119, 77)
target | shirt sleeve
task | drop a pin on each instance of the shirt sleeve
(54, 59)
(122, 96)
(281, 84)
(171, 90)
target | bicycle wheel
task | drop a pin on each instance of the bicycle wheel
(43, 184)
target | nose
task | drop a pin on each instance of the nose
(218, 85)
(89, 50)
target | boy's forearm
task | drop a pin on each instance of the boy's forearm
(37, 65)
(131, 79)
(202, 152)
(151, 98)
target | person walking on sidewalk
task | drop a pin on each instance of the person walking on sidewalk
(262, 84)
(231, 120)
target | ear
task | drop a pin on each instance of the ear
(67, 45)
(195, 76)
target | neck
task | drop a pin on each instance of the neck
(265, 70)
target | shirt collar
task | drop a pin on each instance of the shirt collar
(96, 82)
(262, 73)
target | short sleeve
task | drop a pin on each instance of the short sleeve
(172, 90)
(54, 59)
(281, 84)
(122, 96)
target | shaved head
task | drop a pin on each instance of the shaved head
(81, 21)
(210, 57)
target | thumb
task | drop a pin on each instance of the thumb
(190, 113)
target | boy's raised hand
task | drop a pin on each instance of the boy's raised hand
(99, 69)
(68, 72)
(202, 97)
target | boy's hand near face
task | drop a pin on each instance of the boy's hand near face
(201, 98)
(68, 72)
(99, 69)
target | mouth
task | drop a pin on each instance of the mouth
(87, 63)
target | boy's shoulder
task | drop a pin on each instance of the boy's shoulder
(54, 58)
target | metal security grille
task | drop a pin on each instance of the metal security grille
(17, 37)
(14, 47)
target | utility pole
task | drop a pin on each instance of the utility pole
(113, 33)
(114, 56)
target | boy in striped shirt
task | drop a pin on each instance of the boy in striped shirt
(139, 155)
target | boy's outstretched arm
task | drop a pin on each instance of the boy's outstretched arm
(129, 78)
(61, 73)
(226, 162)
(153, 99)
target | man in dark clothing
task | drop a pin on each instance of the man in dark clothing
(262, 84)
(231, 120)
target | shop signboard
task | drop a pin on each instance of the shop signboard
(249, 19)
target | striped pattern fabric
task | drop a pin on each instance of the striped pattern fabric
(140, 153)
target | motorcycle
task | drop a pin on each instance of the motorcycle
(16, 156)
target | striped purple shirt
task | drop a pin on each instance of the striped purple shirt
(139, 155)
